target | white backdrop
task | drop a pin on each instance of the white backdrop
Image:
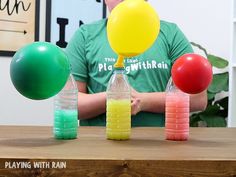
(206, 22)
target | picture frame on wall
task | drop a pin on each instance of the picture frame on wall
(19, 24)
(64, 17)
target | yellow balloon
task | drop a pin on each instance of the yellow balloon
(132, 27)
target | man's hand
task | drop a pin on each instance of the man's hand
(136, 102)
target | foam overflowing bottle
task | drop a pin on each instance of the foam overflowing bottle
(118, 106)
(66, 111)
(176, 113)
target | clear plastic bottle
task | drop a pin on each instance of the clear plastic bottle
(118, 111)
(66, 111)
(176, 113)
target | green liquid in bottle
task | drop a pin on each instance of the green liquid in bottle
(65, 124)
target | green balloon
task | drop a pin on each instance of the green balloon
(39, 70)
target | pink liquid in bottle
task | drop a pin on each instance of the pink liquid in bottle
(176, 114)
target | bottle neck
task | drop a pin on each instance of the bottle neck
(119, 70)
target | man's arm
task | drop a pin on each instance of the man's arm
(90, 105)
(155, 102)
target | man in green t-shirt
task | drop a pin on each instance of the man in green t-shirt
(92, 61)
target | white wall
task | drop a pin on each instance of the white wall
(16, 109)
(206, 22)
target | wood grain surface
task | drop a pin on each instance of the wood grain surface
(208, 152)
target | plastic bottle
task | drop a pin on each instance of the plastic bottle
(66, 111)
(118, 110)
(176, 113)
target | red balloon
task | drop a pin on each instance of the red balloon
(192, 73)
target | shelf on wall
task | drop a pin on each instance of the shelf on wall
(232, 83)
(234, 7)
(232, 100)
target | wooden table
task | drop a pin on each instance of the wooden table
(32, 151)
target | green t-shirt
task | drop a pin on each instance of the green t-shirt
(92, 61)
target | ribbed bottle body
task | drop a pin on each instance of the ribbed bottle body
(118, 110)
(66, 111)
(176, 114)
